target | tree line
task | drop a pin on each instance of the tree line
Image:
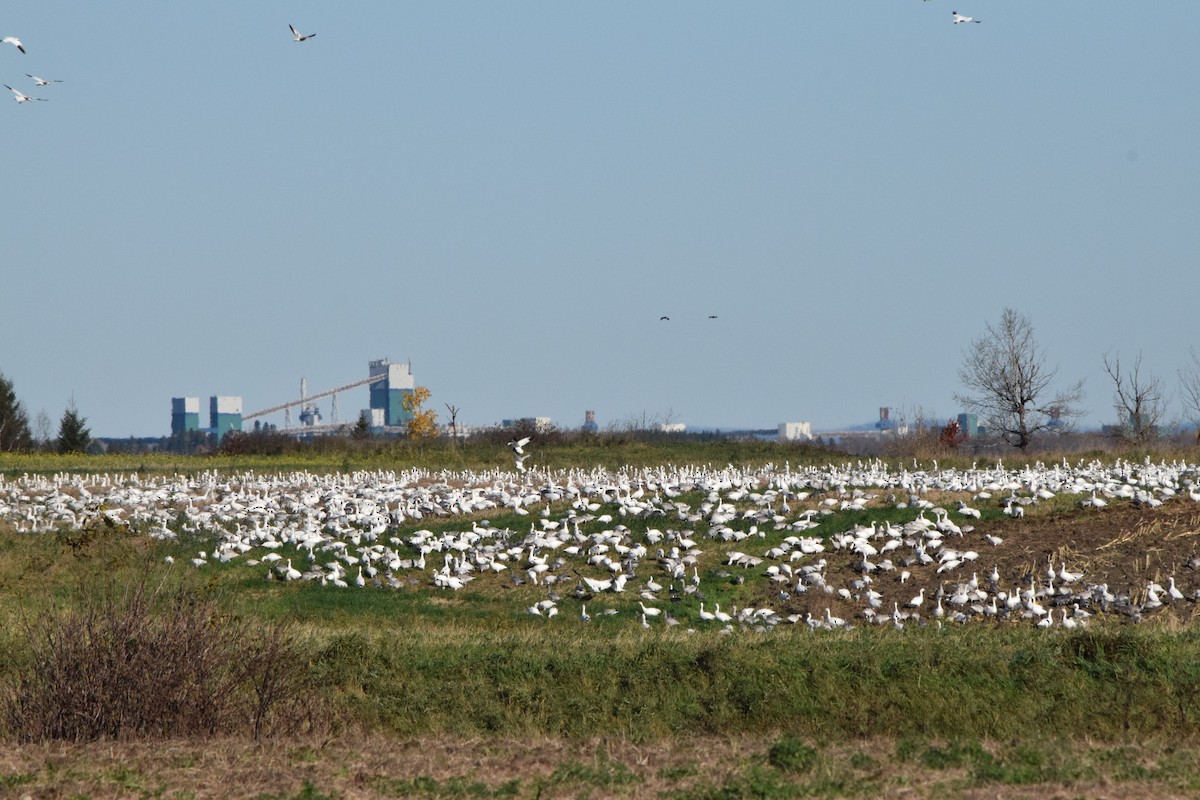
(1007, 382)
(1017, 395)
(17, 435)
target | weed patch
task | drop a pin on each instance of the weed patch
(792, 755)
(142, 666)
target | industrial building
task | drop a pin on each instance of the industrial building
(224, 415)
(969, 424)
(389, 383)
(185, 414)
(795, 431)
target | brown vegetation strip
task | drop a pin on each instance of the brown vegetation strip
(543, 768)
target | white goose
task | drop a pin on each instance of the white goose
(21, 97)
(960, 18)
(301, 37)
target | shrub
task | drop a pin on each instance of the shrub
(952, 436)
(140, 667)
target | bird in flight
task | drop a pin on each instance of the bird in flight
(301, 37)
(13, 41)
(712, 316)
(960, 18)
(21, 97)
(660, 319)
(518, 445)
(41, 81)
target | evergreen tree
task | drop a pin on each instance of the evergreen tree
(73, 433)
(14, 422)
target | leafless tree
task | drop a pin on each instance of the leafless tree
(42, 428)
(1010, 387)
(1189, 388)
(453, 422)
(1138, 400)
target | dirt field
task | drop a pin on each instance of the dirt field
(1123, 546)
(684, 767)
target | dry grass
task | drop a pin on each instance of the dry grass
(142, 666)
(601, 768)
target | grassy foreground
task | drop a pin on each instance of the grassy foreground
(425, 662)
(420, 692)
(693, 767)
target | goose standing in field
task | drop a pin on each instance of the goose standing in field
(1173, 591)
(300, 37)
(21, 97)
(15, 42)
(960, 18)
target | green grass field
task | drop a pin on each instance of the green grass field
(850, 713)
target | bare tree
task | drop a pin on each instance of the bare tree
(1138, 400)
(42, 428)
(453, 422)
(1189, 386)
(1009, 385)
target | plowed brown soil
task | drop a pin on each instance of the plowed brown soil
(1123, 546)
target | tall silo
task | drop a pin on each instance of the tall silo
(225, 415)
(185, 414)
(387, 394)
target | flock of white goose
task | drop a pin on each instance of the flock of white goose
(660, 546)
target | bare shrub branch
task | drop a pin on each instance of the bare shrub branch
(138, 666)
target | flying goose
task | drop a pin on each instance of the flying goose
(21, 97)
(300, 37)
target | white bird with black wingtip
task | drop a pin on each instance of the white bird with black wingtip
(20, 96)
(519, 454)
(300, 37)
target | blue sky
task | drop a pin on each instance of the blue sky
(510, 195)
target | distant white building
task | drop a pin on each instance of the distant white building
(795, 431)
(540, 424)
